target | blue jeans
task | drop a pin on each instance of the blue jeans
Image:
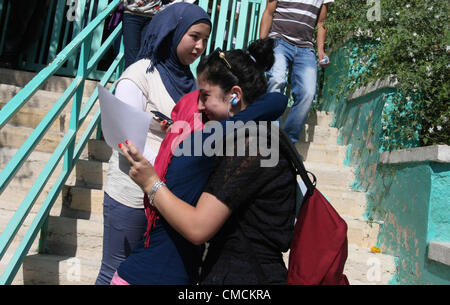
(123, 228)
(303, 78)
(134, 27)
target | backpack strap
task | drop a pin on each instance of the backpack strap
(293, 156)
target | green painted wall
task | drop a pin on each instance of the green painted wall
(407, 197)
(411, 200)
(439, 215)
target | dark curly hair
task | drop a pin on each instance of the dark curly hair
(245, 72)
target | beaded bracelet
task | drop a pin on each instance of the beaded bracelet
(152, 193)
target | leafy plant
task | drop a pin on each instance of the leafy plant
(410, 43)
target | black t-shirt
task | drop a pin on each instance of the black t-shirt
(262, 199)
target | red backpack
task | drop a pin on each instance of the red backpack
(319, 245)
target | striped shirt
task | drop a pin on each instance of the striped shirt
(295, 20)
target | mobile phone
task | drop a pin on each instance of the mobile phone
(162, 117)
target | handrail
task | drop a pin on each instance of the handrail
(66, 147)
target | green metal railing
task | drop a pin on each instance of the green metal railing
(230, 29)
(235, 23)
(67, 148)
(64, 21)
(80, 57)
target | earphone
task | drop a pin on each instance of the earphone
(233, 99)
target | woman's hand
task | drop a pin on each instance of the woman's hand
(141, 171)
(163, 125)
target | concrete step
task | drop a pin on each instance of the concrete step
(35, 109)
(15, 136)
(20, 78)
(95, 151)
(66, 236)
(319, 134)
(317, 127)
(366, 268)
(72, 243)
(361, 232)
(99, 150)
(82, 175)
(31, 167)
(363, 267)
(32, 116)
(323, 153)
(74, 250)
(331, 175)
(319, 118)
(345, 201)
(91, 173)
(36, 161)
(18, 279)
(439, 251)
(351, 209)
(75, 238)
(83, 199)
(334, 182)
(87, 173)
(45, 269)
(41, 99)
(63, 206)
(76, 200)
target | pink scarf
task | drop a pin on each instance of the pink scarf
(184, 114)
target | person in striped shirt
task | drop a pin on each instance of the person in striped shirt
(292, 23)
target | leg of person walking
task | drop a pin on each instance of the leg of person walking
(133, 26)
(303, 83)
(123, 228)
(277, 75)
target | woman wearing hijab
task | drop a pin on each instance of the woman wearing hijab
(175, 38)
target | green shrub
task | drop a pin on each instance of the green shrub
(411, 42)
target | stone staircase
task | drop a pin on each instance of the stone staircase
(74, 246)
(75, 232)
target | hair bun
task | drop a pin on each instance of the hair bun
(262, 52)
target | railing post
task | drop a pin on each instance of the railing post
(240, 35)
(78, 98)
(73, 124)
(43, 237)
(119, 71)
(120, 67)
(98, 33)
(57, 25)
(4, 4)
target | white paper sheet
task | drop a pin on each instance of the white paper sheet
(121, 122)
